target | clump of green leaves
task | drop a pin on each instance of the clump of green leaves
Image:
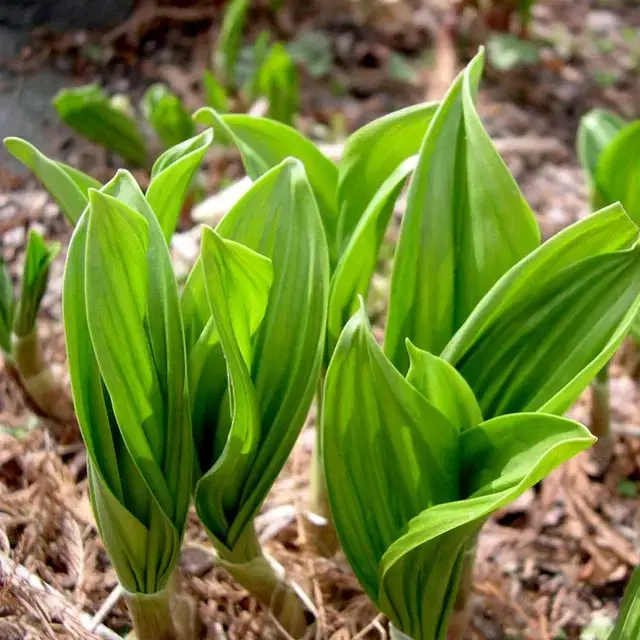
(256, 298)
(172, 173)
(114, 124)
(476, 295)
(127, 361)
(490, 337)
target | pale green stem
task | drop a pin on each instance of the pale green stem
(46, 394)
(266, 580)
(318, 523)
(600, 424)
(151, 615)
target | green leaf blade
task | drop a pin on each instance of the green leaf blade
(67, 186)
(370, 156)
(376, 480)
(265, 143)
(502, 458)
(465, 225)
(89, 111)
(578, 284)
(172, 175)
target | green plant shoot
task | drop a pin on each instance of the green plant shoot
(90, 112)
(255, 299)
(420, 448)
(127, 361)
(167, 115)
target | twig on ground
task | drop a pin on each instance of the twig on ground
(55, 604)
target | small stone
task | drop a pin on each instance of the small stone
(196, 562)
(603, 22)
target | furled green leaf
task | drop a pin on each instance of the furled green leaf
(229, 39)
(465, 225)
(215, 94)
(278, 218)
(35, 277)
(618, 172)
(596, 130)
(264, 143)
(443, 387)
(89, 111)
(249, 276)
(551, 323)
(501, 458)
(278, 83)
(67, 186)
(7, 307)
(172, 176)
(370, 156)
(628, 622)
(230, 273)
(359, 260)
(127, 362)
(167, 115)
(388, 453)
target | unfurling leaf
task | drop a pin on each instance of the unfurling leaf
(465, 225)
(127, 363)
(597, 129)
(618, 172)
(229, 39)
(67, 186)
(92, 114)
(264, 143)
(35, 277)
(278, 82)
(250, 392)
(172, 176)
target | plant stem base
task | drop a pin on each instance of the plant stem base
(152, 617)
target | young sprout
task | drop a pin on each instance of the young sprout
(127, 361)
(255, 313)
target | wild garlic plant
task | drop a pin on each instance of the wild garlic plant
(490, 337)
(608, 152)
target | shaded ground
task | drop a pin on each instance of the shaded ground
(554, 564)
